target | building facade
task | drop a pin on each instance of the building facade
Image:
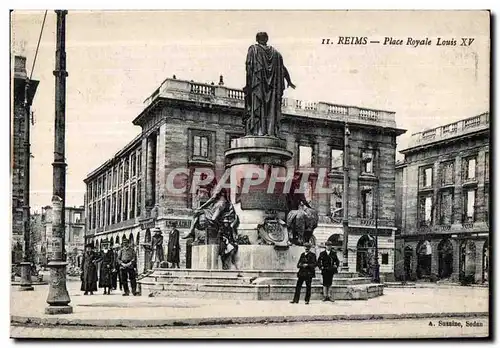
(443, 190)
(190, 125)
(22, 97)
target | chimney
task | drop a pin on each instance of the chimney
(20, 67)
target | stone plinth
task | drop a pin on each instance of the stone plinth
(249, 285)
(250, 257)
(255, 161)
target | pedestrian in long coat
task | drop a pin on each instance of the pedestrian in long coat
(89, 270)
(106, 269)
(306, 265)
(157, 246)
(328, 263)
(174, 247)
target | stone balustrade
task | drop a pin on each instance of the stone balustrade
(468, 125)
(222, 95)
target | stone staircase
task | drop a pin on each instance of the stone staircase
(249, 285)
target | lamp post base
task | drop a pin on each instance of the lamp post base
(58, 298)
(26, 277)
(59, 310)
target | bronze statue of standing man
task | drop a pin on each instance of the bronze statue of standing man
(265, 82)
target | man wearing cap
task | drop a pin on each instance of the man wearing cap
(328, 263)
(157, 247)
(306, 266)
(127, 260)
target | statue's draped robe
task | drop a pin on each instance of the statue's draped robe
(265, 74)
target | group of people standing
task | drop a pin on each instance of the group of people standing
(328, 262)
(116, 267)
(112, 268)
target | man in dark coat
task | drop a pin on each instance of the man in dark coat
(306, 266)
(89, 270)
(328, 263)
(106, 269)
(127, 260)
(174, 247)
(115, 276)
(157, 247)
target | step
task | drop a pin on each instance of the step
(257, 292)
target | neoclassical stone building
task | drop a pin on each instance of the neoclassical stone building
(190, 125)
(443, 190)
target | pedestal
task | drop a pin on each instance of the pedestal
(58, 298)
(258, 166)
(250, 257)
(26, 277)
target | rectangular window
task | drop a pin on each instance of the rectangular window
(89, 223)
(486, 203)
(138, 198)
(132, 202)
(446, 208)
(470, 170)
(89, 191)
(110, 178)
(470, 205)
(108, 211)
(337, 160)
(115, 177)
(120, 174)
(133, 165)
(104, 177)
(447, 173)
(385, 258)
(200, 146)
(336, 200)
(139, 162)
(77, 218)
(367, 203)
(305, 156)
(119, 207)
(426, 177)
(125, 204)
(367, 161)
(94, 208)
(113, 209)
(126, 170)
(487, 167)
(425, 210)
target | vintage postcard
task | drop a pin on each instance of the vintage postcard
(250, 174)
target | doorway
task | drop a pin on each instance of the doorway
(445, 259)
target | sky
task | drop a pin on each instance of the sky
(116, 59)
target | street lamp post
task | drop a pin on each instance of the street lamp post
(345, 202)
(58, 298)
(377, 265)
(26, 284)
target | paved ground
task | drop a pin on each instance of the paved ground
(413, 328)
(116, 310)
